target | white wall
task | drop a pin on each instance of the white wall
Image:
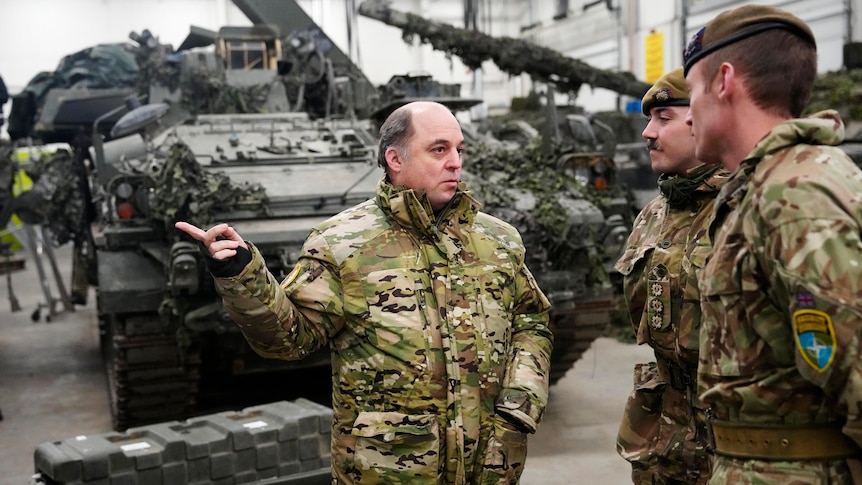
(36, 34)
(827, 19)
(43, 31)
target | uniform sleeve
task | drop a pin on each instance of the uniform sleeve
(291, 319)
(525, 385)
(817, 268)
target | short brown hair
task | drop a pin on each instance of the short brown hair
(395, 132)
(779, 68)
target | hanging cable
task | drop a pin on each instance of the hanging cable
(355, 23)
(348, 19)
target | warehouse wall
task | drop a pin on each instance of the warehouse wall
(36, 34)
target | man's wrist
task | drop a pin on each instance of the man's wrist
(226, 268)
(515, 407)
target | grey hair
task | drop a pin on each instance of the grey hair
(395, 132)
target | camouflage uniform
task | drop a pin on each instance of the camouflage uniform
(437, 330)
(782, 304)
(663, 432)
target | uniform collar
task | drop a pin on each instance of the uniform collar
(411, 208)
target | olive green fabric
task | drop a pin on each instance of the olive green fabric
(781, 298)
(741, 23)
(669, 90)
(663, 430)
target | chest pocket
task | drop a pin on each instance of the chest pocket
(693, 267)
(398, 323)
(647, 287)
(631, 266)
(690, 314)
(492, 309)
(632, 260)
(725, 321)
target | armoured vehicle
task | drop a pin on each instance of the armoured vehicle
(206, 136)
(243, 131)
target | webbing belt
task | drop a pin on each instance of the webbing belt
(812, 442)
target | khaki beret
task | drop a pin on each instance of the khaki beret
(669, 90)
(740, 23)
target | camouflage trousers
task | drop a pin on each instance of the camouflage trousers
(736, 471)
(661, 434)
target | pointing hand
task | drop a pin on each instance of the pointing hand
(220, 240)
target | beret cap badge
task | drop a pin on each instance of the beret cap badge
(662, 95)
(669, 90)
(695, 45)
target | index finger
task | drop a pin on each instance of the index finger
(191, 230)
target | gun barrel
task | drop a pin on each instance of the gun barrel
(511, 55)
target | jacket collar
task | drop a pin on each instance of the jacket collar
(411, 208)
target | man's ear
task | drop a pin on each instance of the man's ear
(726, 81)
(393, 160)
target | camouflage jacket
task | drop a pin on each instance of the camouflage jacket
(665, 251)
(437, 330)
(782, 291)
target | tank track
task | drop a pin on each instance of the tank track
(575, 330)
(149, 378)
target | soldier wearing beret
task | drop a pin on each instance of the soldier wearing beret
(780, 366)
(663, 431)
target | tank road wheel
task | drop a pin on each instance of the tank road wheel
(575, 330)
(150, 378)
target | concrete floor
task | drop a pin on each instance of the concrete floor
(52, 387)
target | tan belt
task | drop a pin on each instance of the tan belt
(776, 442)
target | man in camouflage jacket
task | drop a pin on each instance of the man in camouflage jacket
(663, 431)
(780, 364)
(438, 332)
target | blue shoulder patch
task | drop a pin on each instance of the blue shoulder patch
(815, 338)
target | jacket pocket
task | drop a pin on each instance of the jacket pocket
(397, 321)
(632, 266)
(642, 415)
(491, 309)
(731, 300)
(396, 448)
(690, 313)
(632, 259)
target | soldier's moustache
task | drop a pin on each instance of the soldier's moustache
(652, 144)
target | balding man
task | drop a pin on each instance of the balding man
(438, 332)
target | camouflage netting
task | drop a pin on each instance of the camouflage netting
(187, 192)
(555, 240)
(56, 199)
(153, 70)
(838, 90)
(511, 55)
(205, 93)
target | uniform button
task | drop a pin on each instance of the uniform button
(666, 243)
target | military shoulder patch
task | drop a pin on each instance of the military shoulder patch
(292, 276)
(815, 338)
